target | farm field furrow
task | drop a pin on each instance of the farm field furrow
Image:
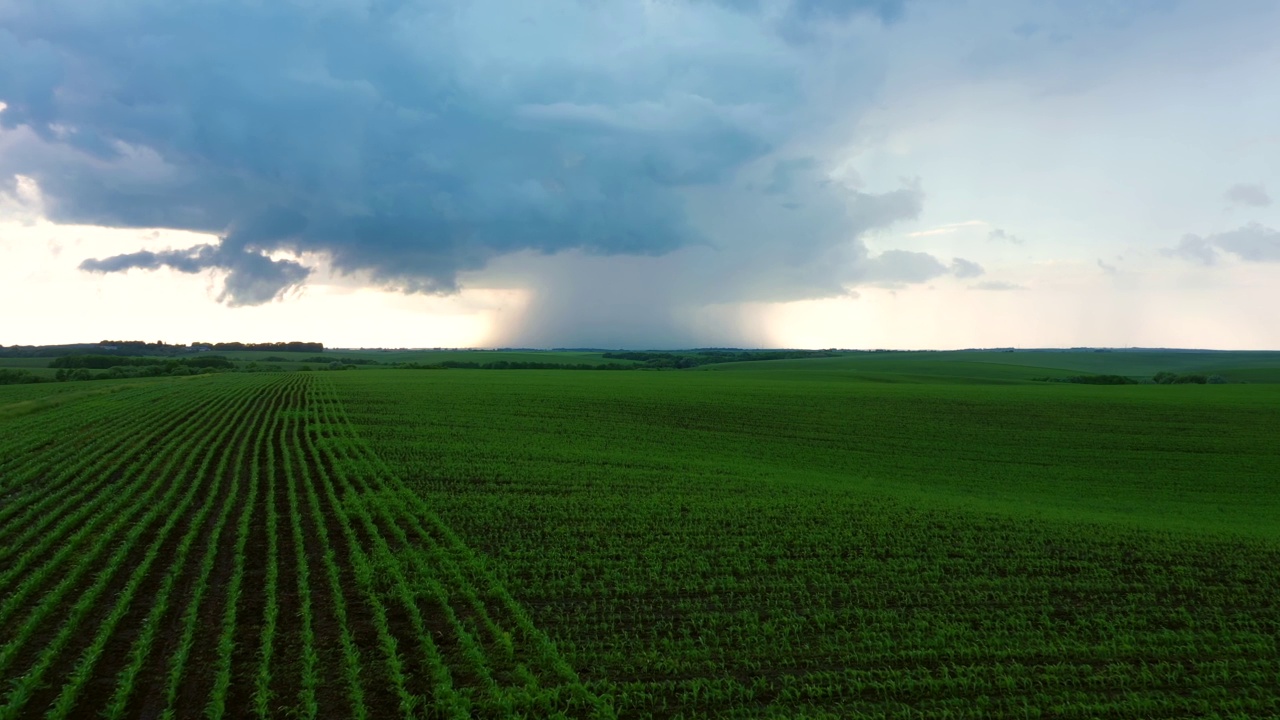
(66, 572)
(125, 631)
(15, 450)
(744, 543)
(36, 480)
(495, 647)
(126, 570)
(74, 502)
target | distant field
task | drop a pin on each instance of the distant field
(1022, 366)
(969, 367)
(24, 399)
(289, 361)
(392, 357)
(864, 536)
(27, 363)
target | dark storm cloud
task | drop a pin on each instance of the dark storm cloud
(797, 239)
(417, 142)
(810, 11)
(246, 113)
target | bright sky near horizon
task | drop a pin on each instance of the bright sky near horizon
(642, 173)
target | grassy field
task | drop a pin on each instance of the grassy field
(863, 536)
(1021, 366)
(426, 357)
(983, 366)
(255, 360)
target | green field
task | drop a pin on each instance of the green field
(1022, 366)
(284, 361)
(391, 357)
(929, 535)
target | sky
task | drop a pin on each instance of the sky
(641, 173)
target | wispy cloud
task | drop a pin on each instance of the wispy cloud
(1248, 195)
(999, 235)
(962, 268)
(1193, 248)
(1252, 243)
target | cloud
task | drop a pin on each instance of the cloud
(962, 268)
(996, 285)
(762, 252)
(897, 267)
(21, 200)
(805, 21)
(1193, 248)
(786, 174)
(999, 235)
(1108, 269)
(414, 143)
(841, 10)
(903, 266)
(1252, 243)
(251, 278)
(1248, 195)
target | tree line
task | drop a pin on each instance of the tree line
(1160, 378)
(694, 358)
(161, 348)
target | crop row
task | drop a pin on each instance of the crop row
(228, 548)
(488, 658)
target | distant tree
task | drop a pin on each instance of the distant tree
(1102, 380)
(17, 377)
(209, 361)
